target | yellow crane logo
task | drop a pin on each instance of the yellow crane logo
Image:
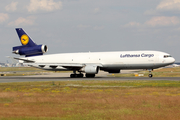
(24, 39)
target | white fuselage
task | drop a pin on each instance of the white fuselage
(107, 61)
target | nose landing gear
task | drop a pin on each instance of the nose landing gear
(150, 73)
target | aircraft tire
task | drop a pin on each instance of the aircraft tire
(90, 75)
(76, 75)
(150, 75)
(80, 75)
(72, 75)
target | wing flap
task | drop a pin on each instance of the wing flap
(64, 65)
(69, 65)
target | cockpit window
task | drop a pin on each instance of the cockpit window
(166, 56)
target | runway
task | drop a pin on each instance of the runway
(33, 79)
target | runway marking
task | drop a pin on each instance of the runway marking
(33, 79)
(97, 86)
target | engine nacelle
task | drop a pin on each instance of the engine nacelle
(90, 69)
(30, 51)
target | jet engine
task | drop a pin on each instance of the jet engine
(30, 51)
(90, 69)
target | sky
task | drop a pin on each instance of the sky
(92, 25)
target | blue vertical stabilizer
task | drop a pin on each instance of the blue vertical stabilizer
(28, 47)
(24, 38)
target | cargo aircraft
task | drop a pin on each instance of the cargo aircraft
(89, 63)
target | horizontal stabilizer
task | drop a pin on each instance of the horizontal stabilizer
(25, 60)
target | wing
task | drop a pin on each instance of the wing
(68, 66)
(57, 66)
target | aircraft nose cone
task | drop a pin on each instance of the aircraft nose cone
(173, 60)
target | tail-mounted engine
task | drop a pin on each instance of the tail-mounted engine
(30, 51)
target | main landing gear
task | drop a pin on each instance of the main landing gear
(77, 75)
(80, 75)
(150, 73)
(90, 75)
